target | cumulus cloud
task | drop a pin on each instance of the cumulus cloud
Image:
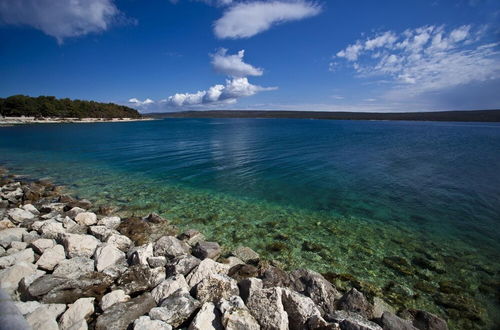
(139, 103)
(62, 18)
(425, 60)
(246, 19)
(233, 65)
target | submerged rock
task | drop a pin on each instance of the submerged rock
(427, 321)
(247, 255)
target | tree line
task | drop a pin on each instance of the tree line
(50, 106)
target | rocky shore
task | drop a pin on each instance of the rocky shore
(68, 265)
(8, 121)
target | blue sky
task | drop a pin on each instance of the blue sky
(161, 55)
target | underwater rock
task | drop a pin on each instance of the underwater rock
(247, 255)
(155, 218)
(399, 264)
(426, 321)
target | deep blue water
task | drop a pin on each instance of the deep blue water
(426, 181)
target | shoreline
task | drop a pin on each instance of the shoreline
(11, 121)
(179, 270)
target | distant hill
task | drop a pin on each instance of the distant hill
(471, 115)
(49, 106)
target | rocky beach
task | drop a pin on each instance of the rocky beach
(68, 265)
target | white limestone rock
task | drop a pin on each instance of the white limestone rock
(42, 244)
(206, 268)
(52, 229)
(110, 222)
(18, 215)
(44, 317)
(121, 242)
(169, 286)
(27, 256)
(107, 256)
(80, 245)
(51, 257)
(139, 255)
(112, 298)
(78, 311)
(145, 323)
(86, 218)
(207, 318)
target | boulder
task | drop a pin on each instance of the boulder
(169, 286)
(121, 242)
(30, 208)
(74, 212)
(52, 230)
(176, 309)
(139, 278)
(30, 237)
(19, 245)
(236, 316)
(155, 218)
(26, 307)
(5, 223)
(351, 321)
(266, 307)
(273, 276)
(10, 235)
(380, 306)
(106, 210)
(355, 301)
(242, 271)
(157, 262)
(116, 296)
(86, 218)
(18, 215)
(316, 287)
(26, 256)
(120, 315)
(80, 245)
(232, 261)
(79, 311)
(110, 222)
(207, 318)
(191, 236)
(10, 277)
(44, 317)
(170, 247)
(145, 323)
(299, 309)
(426, 321)
(205, 250)
(139, 255)
(41, 244)
(26, 282)
(51, 257)
(247, 255)
(74, 267)
(107, 256)
(216, 287)
(390, 321)
(206, 268)
(248, 286)
(101, 232)
(182, 265)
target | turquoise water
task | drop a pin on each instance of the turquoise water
(364, 202)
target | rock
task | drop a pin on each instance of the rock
(206, 268)
(155, 218)
(242, 271)
(145, 323)
(56, 289)
(168, 287)
(30, 208)
(389, 321)
(116, 296)
(232, 261)
(42, 244)
(299, 309)
(31, 237)
(78, 311)
(74, 212)
(236, 316)
(267, 308)
(110, 222)
(399, 264)
(246, 254)
(157, 262)
(205, 250)
(19, 245)
(273, 277)
(5, 223)
(176, 309)
(316, 287)
(10, 277)
(51, 257)
(2, 251)
(120, 315)
(18, 215)
(170, 247)
(139, 255)
(107, 256)
(71, 226)
(248, 286)
(182, 265)
(26, 282)
(191, 236)
(80, 245)
(208, 318)
(121, 242)
(52, 208)
(351, 321)
(317, 322)
(140, 278)
(26, 256)
(86, 218)
(380, 306)
(74, 267)
(106, 210)
(101, 232)
(426, 321)
(52, 230)
(45, 316)
(354, 301)
(137, 230)
(26, 307)
(10, 235)
(216, 287)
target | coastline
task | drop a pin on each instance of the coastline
(178, 271)
(10, 121)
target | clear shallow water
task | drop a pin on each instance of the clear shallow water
(343, 197)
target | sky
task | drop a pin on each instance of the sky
(318, 55)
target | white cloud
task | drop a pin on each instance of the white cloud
(427, 59)
(233, 65)
(139, 103)
(60, 18)
(246, 19)
(218, 3)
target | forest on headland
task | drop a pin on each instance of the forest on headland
(51, 107)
